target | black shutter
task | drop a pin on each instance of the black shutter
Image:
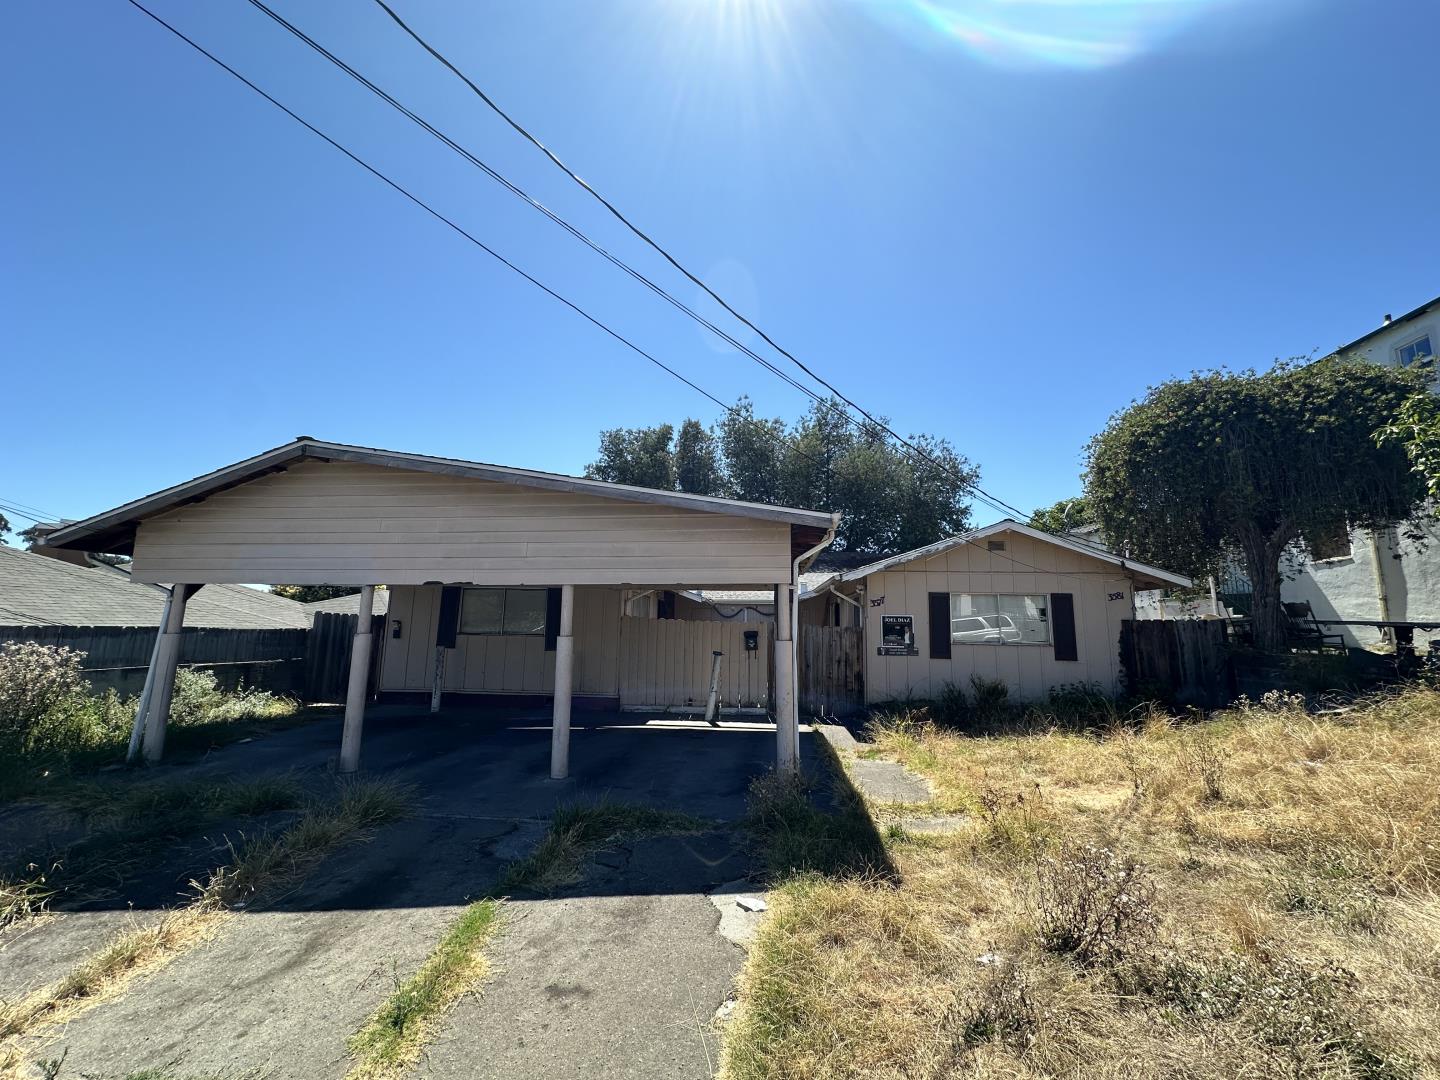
(552, 618)
(449, 622)
(1062, 625)
(939, 626)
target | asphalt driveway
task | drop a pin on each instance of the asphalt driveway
(618, 976)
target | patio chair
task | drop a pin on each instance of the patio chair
(1304, 632)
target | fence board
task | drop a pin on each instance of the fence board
(831, 677)
(1184, 660)
(327, 654)
(116, 657)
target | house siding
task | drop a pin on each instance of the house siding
(356, 524)
(1029, 671)
(499, 664)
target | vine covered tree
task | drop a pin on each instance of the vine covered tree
(1245, 464)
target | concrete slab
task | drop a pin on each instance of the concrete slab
(878, 780)
(620, 978)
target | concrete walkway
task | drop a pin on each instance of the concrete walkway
(619, 977)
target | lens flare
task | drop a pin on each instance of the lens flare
(1080, 34)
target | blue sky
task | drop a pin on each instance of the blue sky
(993, 220)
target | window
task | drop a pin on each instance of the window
(991, 619)
(1417, 350)
(503, 611)
(1331, 543)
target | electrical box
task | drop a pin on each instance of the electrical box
(752, 640)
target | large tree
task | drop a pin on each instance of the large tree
(639, 456)
(1063, 516)
(891, 498)
(1246, 464)
(697, 461)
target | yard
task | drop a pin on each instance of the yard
(1249, 895)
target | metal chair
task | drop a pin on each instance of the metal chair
(1305, 632)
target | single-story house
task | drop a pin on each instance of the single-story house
(503, 583)
(1007, 602)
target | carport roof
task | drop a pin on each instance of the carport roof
(114, 530)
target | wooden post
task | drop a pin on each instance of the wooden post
(564, 678)
(359, 683)
(166, 660)
(787, 734)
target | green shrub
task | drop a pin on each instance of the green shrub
(199, 699)
(39, 686)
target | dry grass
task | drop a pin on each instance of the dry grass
(1272, 910)
(262, 867)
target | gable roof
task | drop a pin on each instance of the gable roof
(114, 530)
(350, 604)
(36, 590)
(1147, 576)
(1425, 308)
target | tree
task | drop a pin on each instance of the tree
(309, 594)
(4, 527)
(1416, 430)
(1063, 516)
(890, 498)
(1246, 464)
(697, 461)
(641, 457)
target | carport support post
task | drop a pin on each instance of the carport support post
(167, 659)
(786, 730)
(359, 683)
(564, 676)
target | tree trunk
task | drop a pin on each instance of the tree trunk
(1267, 614)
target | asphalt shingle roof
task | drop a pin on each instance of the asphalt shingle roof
(39, 591)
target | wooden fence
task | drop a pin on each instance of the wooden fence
(665, 663)
(116, 657)
(1186, 661)
(327, 654)
(831, 677)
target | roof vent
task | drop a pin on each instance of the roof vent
(996, 545)
(1387, 320)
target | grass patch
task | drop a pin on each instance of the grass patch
(396, 1034)
(581, 829)
(1252, 894)
(261, 867)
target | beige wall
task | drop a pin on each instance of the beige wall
(665, 663)
(351, 524)
(494, 663)
(1028, 670)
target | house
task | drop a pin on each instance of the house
(1009, 603)
(504, 584)
(97, 609)
(1382, 575)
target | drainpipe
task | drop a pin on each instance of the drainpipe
(825, 542)
(1381, 593)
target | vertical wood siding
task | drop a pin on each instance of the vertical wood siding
(499, 664)
(351, 524)
(665, 663)
(1028, 670)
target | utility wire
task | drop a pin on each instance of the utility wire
(619, 216)
(21, 507)
(520, 193)
(481, 245)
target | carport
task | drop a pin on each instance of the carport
(313, 512)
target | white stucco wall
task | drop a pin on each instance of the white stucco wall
(1381, 348)
(1347, 588)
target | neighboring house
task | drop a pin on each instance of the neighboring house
(36, 590)
(1007, 602)
(350, 605)
(503, 583)
(741, 605)
(1357, 574)
(245, 635)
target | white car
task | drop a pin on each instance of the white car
(984, 629)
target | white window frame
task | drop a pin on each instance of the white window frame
(1049, 632)
(1423, 335)
(504, 603)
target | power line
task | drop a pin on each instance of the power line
(21, 507)
(991, 500)
(520, 193)
(730, 410)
